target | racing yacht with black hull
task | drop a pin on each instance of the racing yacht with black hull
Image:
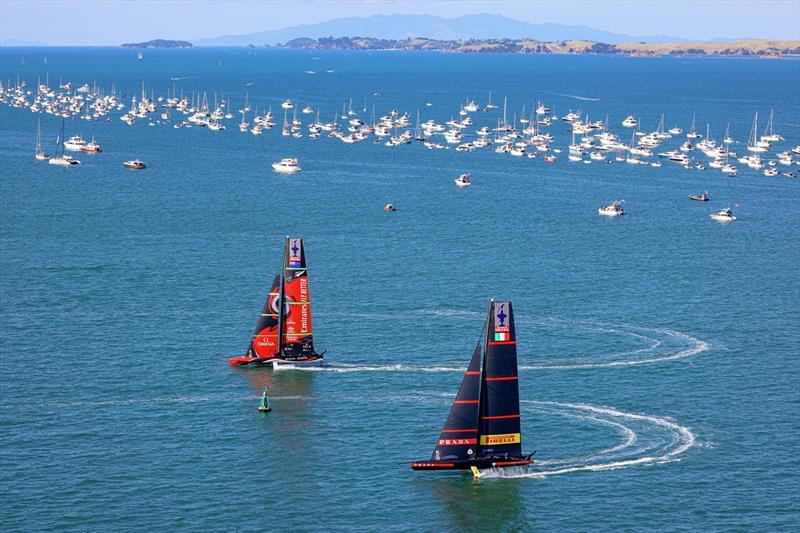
(284, 338)
(483, 428)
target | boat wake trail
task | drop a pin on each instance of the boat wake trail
(587, 98)
(646, 440)
(663, 344)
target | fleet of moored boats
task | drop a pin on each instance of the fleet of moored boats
(592, 141)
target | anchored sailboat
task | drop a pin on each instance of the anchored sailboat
(483, 428)
(284, 337)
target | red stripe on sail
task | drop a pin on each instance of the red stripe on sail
(496, 343)
(499, 417)
(504, 378)
(467, 401)
(475, 373)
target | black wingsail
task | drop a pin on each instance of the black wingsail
(499, 426)
(265, 337)
(459, 437)
(483, 428)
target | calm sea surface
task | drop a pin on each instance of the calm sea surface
(658, 351)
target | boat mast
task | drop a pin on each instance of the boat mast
(281, 297)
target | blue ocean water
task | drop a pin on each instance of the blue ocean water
(658, 351)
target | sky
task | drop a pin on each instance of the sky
(112, 22)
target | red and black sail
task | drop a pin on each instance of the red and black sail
(264, 344)
(298, 341)
(499, 426)
(459, 437)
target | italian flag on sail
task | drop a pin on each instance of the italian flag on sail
(500, 336)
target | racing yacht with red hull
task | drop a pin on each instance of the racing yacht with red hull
(284, 337)
(483, 428)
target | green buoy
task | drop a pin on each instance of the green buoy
(264, 407)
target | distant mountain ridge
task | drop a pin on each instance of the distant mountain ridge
(482, 26)
(751, 47)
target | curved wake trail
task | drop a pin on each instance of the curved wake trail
(575, 97)
(647, 440)
(662, 344)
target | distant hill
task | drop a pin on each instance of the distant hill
(483, 26)
(754, 47)
(159, 43)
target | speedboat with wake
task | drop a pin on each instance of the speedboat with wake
(463, 180)
(283, 332)
(614, 209)
(483, 429)
(726, 215)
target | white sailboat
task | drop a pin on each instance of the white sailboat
(40, 155)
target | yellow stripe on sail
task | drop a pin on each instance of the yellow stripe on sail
(506, 438)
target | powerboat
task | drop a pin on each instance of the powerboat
(287, 166)
(74, 143)
(629, 122)
(699, 197)
(612, 210)
(389, 208)
(288, 104)
(463, 180)
(134, 164)
(726, 215)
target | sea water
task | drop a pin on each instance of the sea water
(658, 351)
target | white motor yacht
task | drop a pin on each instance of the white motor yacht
(134, 164)
(288, 104)
(287, 166)
(64, 161)
(629, 122)
(74, 143)
(726, 215)
(307, 110)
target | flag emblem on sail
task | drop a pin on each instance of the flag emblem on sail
(295, 248)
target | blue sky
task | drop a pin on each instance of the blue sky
(111, 22)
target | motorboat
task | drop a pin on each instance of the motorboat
(629, 122)
(287, 104)
(307, 110)
(612, 210)
(726, 215)
(389, 208)
(91, 147)
(287, 166)
(74, 143)
(463, 180)
(771, 171)
(134, 164)
(699, 197)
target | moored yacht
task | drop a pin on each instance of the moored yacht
(629, 122)
(74, 143)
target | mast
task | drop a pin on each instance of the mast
(281, 298)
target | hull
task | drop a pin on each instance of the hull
(256, 361)
(483, 463)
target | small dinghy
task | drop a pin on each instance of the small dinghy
(699, 197)
(483, 428)
(284, 337)
(389, 208)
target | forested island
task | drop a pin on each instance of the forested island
(159, 43)
(750, 47)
